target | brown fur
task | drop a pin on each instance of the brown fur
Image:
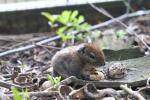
(72, 61)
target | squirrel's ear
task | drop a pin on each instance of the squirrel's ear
(82, 49)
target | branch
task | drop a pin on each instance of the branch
(9, 85)
(28, 46)
(134, 93)
(74, 33)
(138, 13)
(101, 10)
(39, 94)
(69, 80)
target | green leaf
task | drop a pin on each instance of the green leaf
(57, 80)
(69, 20)
(120, 33)
(62, 20)
(26, 94)
(78, 27)
(74, 15)
(64, 17)
(16, 95)
(85, 26)
(70, 29)
(61, 31)
(51, 18)
(75, 21)
(69, 36)
(80, 19)
(54, 80)
(50, 78)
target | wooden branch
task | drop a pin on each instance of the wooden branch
(39, 94)
(74, 33)
(9, 85)
(28, 46)
(101, 10)
(138, 13)
(131, 92)
(71, 79)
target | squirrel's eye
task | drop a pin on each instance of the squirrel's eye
(92, 55)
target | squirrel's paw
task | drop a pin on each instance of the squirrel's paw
(97, 76)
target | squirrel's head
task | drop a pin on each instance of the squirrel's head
(91, 54)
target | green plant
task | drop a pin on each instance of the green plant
(17, 94)
(120, 33)
(26, 94)
(54, 80)
(67, 22)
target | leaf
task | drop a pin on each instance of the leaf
(51, 18)
(74, 15)
(120, 33)
(85, 26)
(26, 94)
(50, 78)
(78, 27)
(69, 37)
(80, 19)
(70, 29)
(66, 14)
(64, 17)
(57, 80)
(60, 31)
(62, 20)
(75, 21)
(70, 21)
(16, 95)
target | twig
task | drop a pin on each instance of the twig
(101, 10)
(71, 79)
(131, 92)
(74, 32)
(138, 13)
(49, 47)
(36, 39)
(28, 47)
(9, 85)
(40, 94)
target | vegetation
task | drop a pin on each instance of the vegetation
(17, 96)
(66, 22)
(54, 80)
(120, 34)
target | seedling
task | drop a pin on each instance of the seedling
(66, 22)
(54, 80)
(17, 94)
(120, 34)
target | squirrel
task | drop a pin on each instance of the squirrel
(78, 60)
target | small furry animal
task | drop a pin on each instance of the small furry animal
(73, 60)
